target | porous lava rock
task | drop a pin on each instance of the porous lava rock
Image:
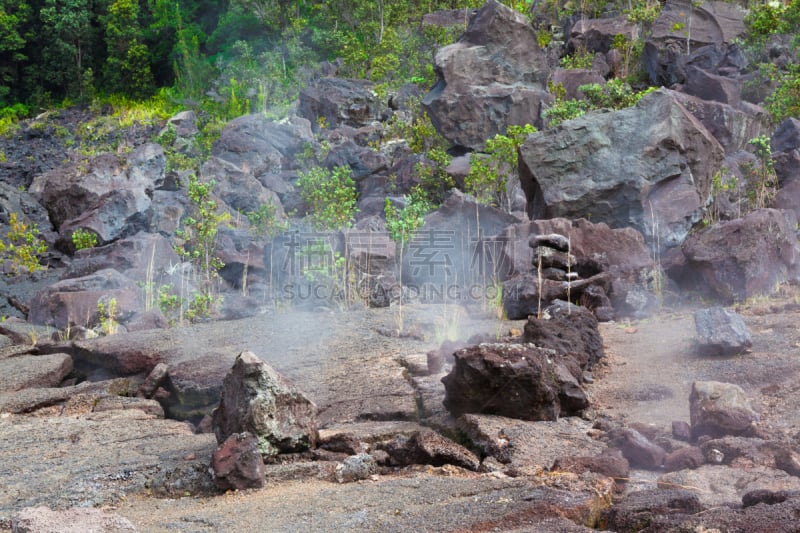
(513, 380)
(258, 400)
(238, 464)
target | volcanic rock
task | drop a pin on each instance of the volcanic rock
(258, 400)
(736, 259)
(340, 102)
(356, 468)
(426, 447)
(513, 380)
(683, 458)
(237, 463)
(719, 409)
(34, 371)
(640, 452)
(721, 332)
(572, 332)
(639, 508)
(493, 76)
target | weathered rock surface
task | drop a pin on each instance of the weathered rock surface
(237, 463)
(528, 447)
(96, 458)
(34, 371)
(719, 484)
(640, 451)
(721, 332)
(639, 508)
(426, 447)
(43, 519)
(339, 102)
(619, 254)
(258, 400)
(648, 167)
(720, 409)
(356, 468)
(111, 198)
(495, 75)
(733, 260)
(74, 301)
(514, 380)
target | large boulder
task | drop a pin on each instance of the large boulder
(597, 35)
(721, 332)
(733, 260)
(514, 380)
(257, 145)
(648, 167)
(75, 301)
(340, 102)
(493, 76)
(34, 371)
(451, 247)
(258, 400)
(785, 144)
(712, 25)
(144, 256)
(239, 189)
(111, 197)
(619, 256)
(570, 331)
(720, 409)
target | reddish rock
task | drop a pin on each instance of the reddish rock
(153, 380)
(681, 430)
(607, 465)
(568, 331)
(689, 457)
(238, 464)
(719, 409)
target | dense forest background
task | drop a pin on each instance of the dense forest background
(249, 53)
(240, 56)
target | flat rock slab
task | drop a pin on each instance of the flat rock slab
(529, 446)
(436, 500)
(34, 371)
(718, 484)
(28, 400)
(94, 459)
(41, 519)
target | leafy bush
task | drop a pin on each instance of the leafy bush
(330, 196)
(22, 248)
(82, 238)
(488, 176)
(784, 102)
(264, 221)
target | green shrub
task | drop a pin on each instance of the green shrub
(82, 238)
(22, 248)
(488, 176)
(264, 221)
(331, 197)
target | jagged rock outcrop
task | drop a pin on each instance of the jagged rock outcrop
(237, 463)
(495, 75)
(648, 167)
(111, 197)
(514, 380)
(258, 400)
(340, 102)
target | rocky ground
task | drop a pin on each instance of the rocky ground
(92, 447)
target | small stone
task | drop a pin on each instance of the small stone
(238, 464)
(356, 468)
(721, 332)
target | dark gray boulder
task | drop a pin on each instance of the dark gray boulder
(340, 102)
(258, 400)
(721, 332)
(648, 167)
(640, 451)
(785, 144)
(495, 75)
